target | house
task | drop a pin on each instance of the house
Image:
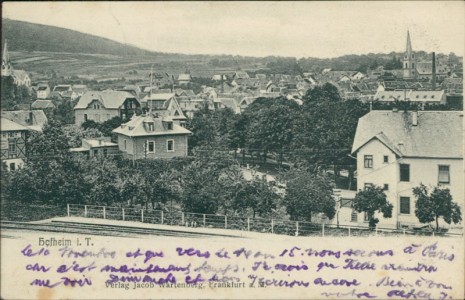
(20, 77)
(424, 97)
(13, 144)
(230, 103)
(241, 75)
(189, 107)
(61, 88)
(357, 76)
(217, 77)
(184, 94)
(165, 105)
(151, 136)
(70, 95)
(43, 91)
(246, 101)
(425, 70)
(79, 89)
(97, 146)
(43, 105)
(162, 79)
(184, 79)
(399, 150)
(15, 128)
(103, 106)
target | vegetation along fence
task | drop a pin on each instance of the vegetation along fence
(275, 226)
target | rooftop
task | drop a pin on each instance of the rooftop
(137, 126)
(438, 134)
(110, 99)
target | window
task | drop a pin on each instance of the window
(354, 216)
(404, 172)
(444, 175)
(386, 187)
(12, 166)
(405, 205)
(413, 64)
(150, 126)
(124, 144)
(85, 117)
(12, 147)
(150, 147)
(170, 126)
(105, 152)
(170, 145)
(365, 216)
(95, 152)
(386, 159)
(368, 161)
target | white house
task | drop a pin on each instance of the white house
(151, 136)
(399, 150)
(43, 91)
(427, 97)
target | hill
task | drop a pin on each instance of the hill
(24, 36)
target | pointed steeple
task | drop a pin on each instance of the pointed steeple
(6, 63)
(409, 60)
(408, 49)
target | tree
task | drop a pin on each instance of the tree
(52, 143)
(271, 129)
(201, 191)
(370, 200)
(102, 175)
(241, 195)
(430, 207)
(307, 193)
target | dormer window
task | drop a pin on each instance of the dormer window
(150, 126)
(169, 125)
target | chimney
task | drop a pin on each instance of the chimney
(433, 79)
(414, 118)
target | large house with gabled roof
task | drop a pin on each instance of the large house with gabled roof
(152, 136)
(399, 150)
(105, 105)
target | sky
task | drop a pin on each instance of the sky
(298, 29)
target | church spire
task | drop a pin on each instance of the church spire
(408, 49)
(6, 63)
(409, 60)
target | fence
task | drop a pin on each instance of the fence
(274, 226)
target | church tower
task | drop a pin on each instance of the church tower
(7, 69)
(409, 60)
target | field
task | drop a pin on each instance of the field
(98, 66)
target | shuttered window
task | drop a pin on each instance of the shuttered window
(354, 216)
